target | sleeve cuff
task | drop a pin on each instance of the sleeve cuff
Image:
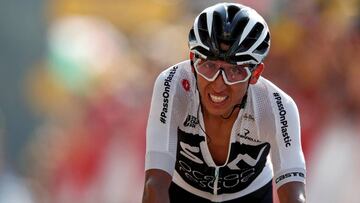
(160, 160)
(290, 175)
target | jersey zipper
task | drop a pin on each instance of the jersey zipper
(216, 180)
(217, 168)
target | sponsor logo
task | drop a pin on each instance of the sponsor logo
(166, 95)
(245, 163)
(236, 176)
(288, 175)
(190, 152)
(203, 181)
(248, 117)
(283, 121)
(191, 121)
(246, 158)
(186, 85)
(244, 136)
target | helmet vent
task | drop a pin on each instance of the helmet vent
(252, 37)
(245, 57)
(239, 28)
(256, 31)
(232, 11)
(261, 49)
(203, 29)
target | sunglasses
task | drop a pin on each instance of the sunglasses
(231, 73)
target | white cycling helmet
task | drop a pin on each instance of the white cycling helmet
(238, 26)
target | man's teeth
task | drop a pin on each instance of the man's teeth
(217, 99)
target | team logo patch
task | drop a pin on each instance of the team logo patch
(248, 117)
(191, 121)
(186, 85)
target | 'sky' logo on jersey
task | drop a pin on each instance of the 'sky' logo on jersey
(245, 163)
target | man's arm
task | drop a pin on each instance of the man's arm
(292, 192)
(156, 188)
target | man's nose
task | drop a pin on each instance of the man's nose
(219, 82)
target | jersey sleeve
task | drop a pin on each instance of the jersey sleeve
(286, 152)
(161, 132)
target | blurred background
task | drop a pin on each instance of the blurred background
(76, 78)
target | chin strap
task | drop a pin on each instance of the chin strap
(242, 103)
(240, 106)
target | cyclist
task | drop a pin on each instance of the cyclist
(218, 131)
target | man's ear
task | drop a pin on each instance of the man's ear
(256, 73)
(191, 56)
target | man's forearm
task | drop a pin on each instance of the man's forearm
(292, 192)
(155, 194)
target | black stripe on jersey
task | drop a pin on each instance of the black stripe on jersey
(245, 163)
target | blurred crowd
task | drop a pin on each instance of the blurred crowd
(93, 86)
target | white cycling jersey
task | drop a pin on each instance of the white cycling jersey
(264, 144)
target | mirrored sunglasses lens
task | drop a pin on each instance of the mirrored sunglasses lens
(207, 69)
(236, 74)
(233, 73)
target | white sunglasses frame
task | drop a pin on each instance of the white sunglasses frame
(223, 75)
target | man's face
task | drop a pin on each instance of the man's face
(217, 97)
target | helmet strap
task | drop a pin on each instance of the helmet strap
(241, 105)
